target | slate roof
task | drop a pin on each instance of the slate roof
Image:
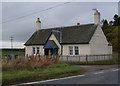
(81, 34)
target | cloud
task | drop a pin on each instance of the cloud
(66, 15)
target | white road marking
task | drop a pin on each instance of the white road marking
(106, 71)
(48, 80)
(72, 77)
(99, 72)
(115, 70)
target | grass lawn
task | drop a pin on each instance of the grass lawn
(43, 73)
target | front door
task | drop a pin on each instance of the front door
(52, 51)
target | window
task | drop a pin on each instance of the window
(38, 50)
(71, 50)
(76, 50)
(33, 50)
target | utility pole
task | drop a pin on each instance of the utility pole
(119, 9)
(11, 38)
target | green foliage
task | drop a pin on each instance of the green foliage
(111, 31)
(116, 20)
(20, 53)
(105, 24)
(46, 72)
(112, 36)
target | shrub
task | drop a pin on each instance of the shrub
(31, 63)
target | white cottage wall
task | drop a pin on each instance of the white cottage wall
(84, 49)
(99, 43)
(29, 50)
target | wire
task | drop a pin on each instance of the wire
(35, 13)
(28, 12)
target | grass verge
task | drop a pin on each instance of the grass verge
(43, 73)
(109, 62)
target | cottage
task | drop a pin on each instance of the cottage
(87, 39)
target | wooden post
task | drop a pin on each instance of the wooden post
(79, 58)
(86, 58)
(67, 58)
(104, 57)
(109, 56)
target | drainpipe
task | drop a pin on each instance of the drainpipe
(60, 37)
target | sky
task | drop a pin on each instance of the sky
(19, 18)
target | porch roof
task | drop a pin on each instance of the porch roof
(50, 44)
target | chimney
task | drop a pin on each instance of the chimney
(78, 23)
(97, 17)
(38, 24)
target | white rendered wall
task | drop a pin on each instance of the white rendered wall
(99, 44)
(29, 50)
(84, 49)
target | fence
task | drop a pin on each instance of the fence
(80, 58)
(85, 58)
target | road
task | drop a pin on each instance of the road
(102, 75)
(110, 77)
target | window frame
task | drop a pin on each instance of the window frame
(76, 49)
(33, 50)
(38, 50)
(70, 50)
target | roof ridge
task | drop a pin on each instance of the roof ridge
(67, 26)
(81, 35)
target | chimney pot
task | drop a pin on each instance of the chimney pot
(78, 23)
(97, 17)
(38, 24)
(37, 19)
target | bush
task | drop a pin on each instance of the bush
(31, 63)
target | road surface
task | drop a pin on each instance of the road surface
(101, 75)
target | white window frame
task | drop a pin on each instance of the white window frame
(70, 50)
(33, 50)
(38, 49)
(76, 48)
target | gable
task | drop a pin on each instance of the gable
(99, 36)
(70, 35)
(98, 43)
(53, 38)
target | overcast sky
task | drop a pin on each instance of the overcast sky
(21, 28)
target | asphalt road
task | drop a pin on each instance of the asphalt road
(98, 77)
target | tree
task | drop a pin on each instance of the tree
(115, 17)
(116, 20)
(111, 23)
(105, 24)
(111, 31)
